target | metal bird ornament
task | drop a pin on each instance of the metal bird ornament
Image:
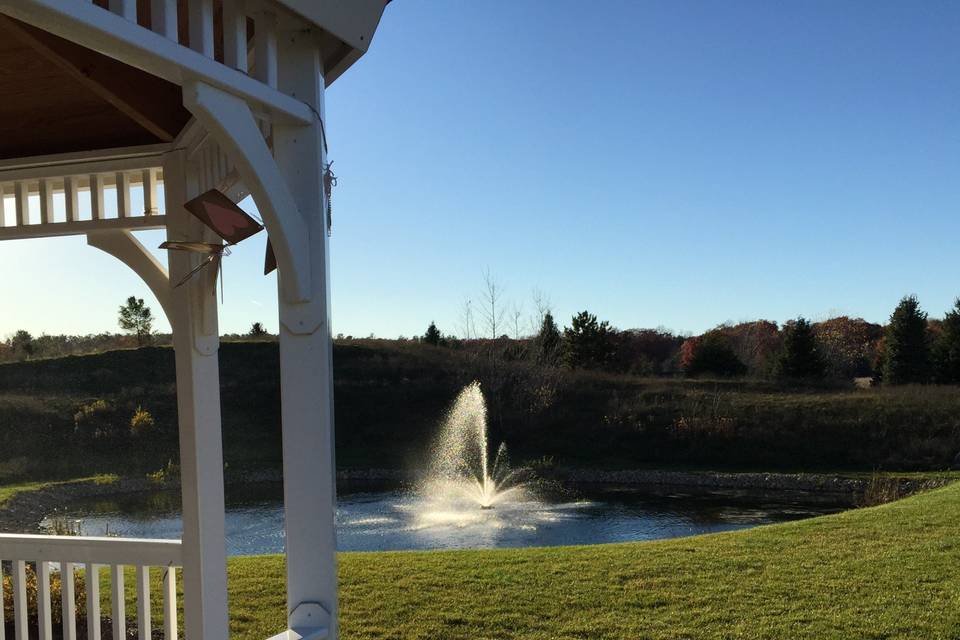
(218, 213)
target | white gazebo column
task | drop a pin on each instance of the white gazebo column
(306, 368)
(196, 343)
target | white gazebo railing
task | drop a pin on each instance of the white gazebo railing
(31, 188)
(92, 554)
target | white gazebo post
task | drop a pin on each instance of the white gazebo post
(306, 364)
(196, 345)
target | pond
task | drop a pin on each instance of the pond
(397, 519)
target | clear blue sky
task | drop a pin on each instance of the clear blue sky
(658, 163)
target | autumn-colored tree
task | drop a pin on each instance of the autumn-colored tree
(712, 355)
(644, 351)
(848, 345)
(755, 343)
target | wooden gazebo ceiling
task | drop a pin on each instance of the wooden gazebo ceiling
(59, 97)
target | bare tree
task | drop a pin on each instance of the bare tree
(541, 305)
(492, 310)
(516, 312)
(467, 324)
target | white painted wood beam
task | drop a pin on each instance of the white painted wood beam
(92, 27)
(196, 342)
(81, 227)
(306, 370)
(230, 121)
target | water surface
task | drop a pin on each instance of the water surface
(396, 519)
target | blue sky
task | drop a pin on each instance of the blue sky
(658, 163)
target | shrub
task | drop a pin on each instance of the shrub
(55, 601)
(142, 423)
(713, 355)
(97, 420)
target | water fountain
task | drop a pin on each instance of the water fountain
(461, 468)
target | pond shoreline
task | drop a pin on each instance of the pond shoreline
(25, 510)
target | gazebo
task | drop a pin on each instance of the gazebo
(111, 98)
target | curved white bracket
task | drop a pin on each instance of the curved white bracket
(229, 119)
(127, 249)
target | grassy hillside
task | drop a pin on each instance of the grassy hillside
(390, 397)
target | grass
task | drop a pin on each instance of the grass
(885, 572)
(10, 490)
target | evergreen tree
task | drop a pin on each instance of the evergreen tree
(947, 349)
(548, 340)
(136, 317)
(257, 330)
(433, 335)
(587, 344)
(713, 355)
(799, 356)
(907, 357)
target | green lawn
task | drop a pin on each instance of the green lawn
(887, 572)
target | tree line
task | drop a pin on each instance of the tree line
(910, 349)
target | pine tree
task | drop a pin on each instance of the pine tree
(947, 348)
(548, 340)
(587, 344)
(433, 335)
(799, 357)
(907, 357)
(136, 317)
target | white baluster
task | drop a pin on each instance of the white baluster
(201, 26)
(92, 585)
(44, 614)
(22, 196)
(163, 18)
(19, 579)
(97, 209)
(170, 604)
(265, 48)
(150, 192)
(118, 602)
(70, 198)
(68, 601)
(123, 195)
(3, 223)
(235, 34)
(46, 201)
(125, 8)
(144, 631)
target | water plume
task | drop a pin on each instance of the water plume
(461, 466)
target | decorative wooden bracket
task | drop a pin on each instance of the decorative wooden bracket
(229, 119)
(127, 249)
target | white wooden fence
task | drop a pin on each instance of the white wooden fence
(90, 555)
